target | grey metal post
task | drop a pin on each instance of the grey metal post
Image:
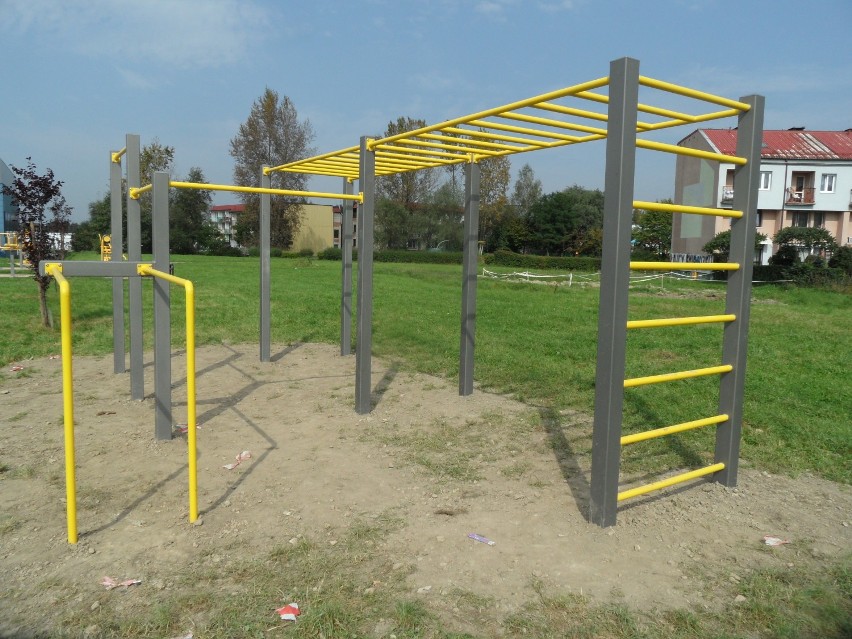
(364, 330)
(615, 279)
(469, 270)
(117, 238)
(735, 338)
(346, 274)
(134, 254)
(265, 311)
(162, 310)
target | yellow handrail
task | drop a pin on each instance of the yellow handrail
(200, 186)
(683, 150)
(682, 208)
(67, 398)
(192, 455)
(671, 430)
(672, 377)
(684, 266)
(680, 321)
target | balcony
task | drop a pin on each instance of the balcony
(801, 197)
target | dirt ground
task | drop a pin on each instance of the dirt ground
(445, 466)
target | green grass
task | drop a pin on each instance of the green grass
(535, 342)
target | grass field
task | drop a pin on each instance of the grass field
(538, 343)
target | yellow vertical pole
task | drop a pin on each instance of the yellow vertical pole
(67, 399)
(190, 401)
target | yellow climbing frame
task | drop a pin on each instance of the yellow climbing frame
(554, 119)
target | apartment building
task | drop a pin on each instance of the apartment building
(805, 180)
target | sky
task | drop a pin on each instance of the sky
(78, 75)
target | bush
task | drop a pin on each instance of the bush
(516, 260)
(306, 252)
(254, 251)
(786, 256)
(418, 257)
(275, 252)
(330, 253)
(842, 259)
(223, 250)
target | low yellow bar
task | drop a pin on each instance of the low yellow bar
(673, 377)
(682, 208)
(682, 150)
(116, 157)
(191, 445)
(256, 189)
(671, 430)
(137, 191)
(671, 481)
(67, 399)
(684, 266)
(692, 93)
(680, 321)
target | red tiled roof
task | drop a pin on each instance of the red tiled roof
(233, 208)
(789, 145)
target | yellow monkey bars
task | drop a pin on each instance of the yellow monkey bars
(553, 119)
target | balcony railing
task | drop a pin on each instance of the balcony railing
(800, 196)
(727, 194)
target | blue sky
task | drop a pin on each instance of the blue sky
(79, 74)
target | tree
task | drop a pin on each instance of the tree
(494, 176)
(653, 231)
(189, 230)
(527, 191)
(272, 135)
(720, 246)
(567, 222)
(411, 187)
(153, 157)
(393, 224)
(806, 239)
(31, 193)
(60, 222)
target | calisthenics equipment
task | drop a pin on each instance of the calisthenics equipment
(607, 108)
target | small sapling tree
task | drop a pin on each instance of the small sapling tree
(31, 193)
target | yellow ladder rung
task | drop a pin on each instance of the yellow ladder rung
(680, 321)
(671, 430)
(684, 266)
(671, 377)
(671, 481)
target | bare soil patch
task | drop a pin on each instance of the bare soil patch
(437, 465)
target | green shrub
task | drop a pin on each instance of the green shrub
(275, 252)
(842, 259)
(516, 260)
(306, 252)
(418, 257)
(254, 251)
(787, 255)
(330, 253)
(223, 250)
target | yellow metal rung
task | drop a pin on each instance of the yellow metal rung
(684, 266)
(671, 430)
(680, 321)
(671, 481)
(681, 208)
(672, 377)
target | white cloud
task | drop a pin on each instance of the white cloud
(186, 34)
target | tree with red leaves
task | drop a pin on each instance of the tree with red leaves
(31, 193)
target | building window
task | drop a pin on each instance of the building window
(758, 219)
(827, 182)
(765, 180)
(819, 219)
(336, 234)
(800, 219)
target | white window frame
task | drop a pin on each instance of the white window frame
(828, 183)
(765, 181)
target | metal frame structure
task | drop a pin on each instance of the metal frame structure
(606, 108)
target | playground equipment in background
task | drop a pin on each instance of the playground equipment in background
(9, 242)
(518, 127)
(106, 247)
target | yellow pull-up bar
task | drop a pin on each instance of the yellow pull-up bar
(200, 186)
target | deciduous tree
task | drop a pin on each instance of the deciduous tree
(272, 135)
(31, 194)
(653, 231)
(189, 229)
